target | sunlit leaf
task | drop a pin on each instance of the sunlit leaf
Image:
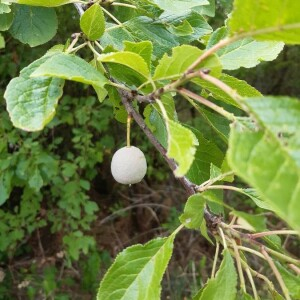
(245, 52)
(172, 67)
(277, 22)
(92, 22)
(144, 49)
(268, 160)
(137, 271)
(181, 146)
(129, 59)
(46, 3)
(192, 216)
(70, 67)
(223, 285)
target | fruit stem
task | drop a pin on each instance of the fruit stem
(128, 129)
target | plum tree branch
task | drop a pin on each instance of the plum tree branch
(127, 97)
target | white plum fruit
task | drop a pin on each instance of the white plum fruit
(128, 165)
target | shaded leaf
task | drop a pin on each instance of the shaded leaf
(207, 153)
(5, 185)
(6, 21)
(31, 102)
(120, 112)
(36, 180)
(33, 25)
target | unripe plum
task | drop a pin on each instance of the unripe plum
(128, 165)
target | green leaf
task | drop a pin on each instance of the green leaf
(120, 112)
(214, 200)
(208, 10)
(275, 295)
(291, 281)
(280, 116)
(5, 185)
(277, 22)
(6, 21)
(245, 52)
(207, 153)
(182, 29)
(156, 123)
(33, 25)
(129, 59)
(77, 242)
(204, 231)
(137, 271)
(266, 163)
(46, 3)
(251, 221)
(181, 146)
(144, 49)
(2, 42)
(145, 29)
(70, 67)
(223, 286)
(178, 6)
(244, 296)
(240, 86)
(218, 123)
(252, 194)
(172, 67)
(4, 9)
(36, 180)
(31, 102)
(192, 216)
(92, 22)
